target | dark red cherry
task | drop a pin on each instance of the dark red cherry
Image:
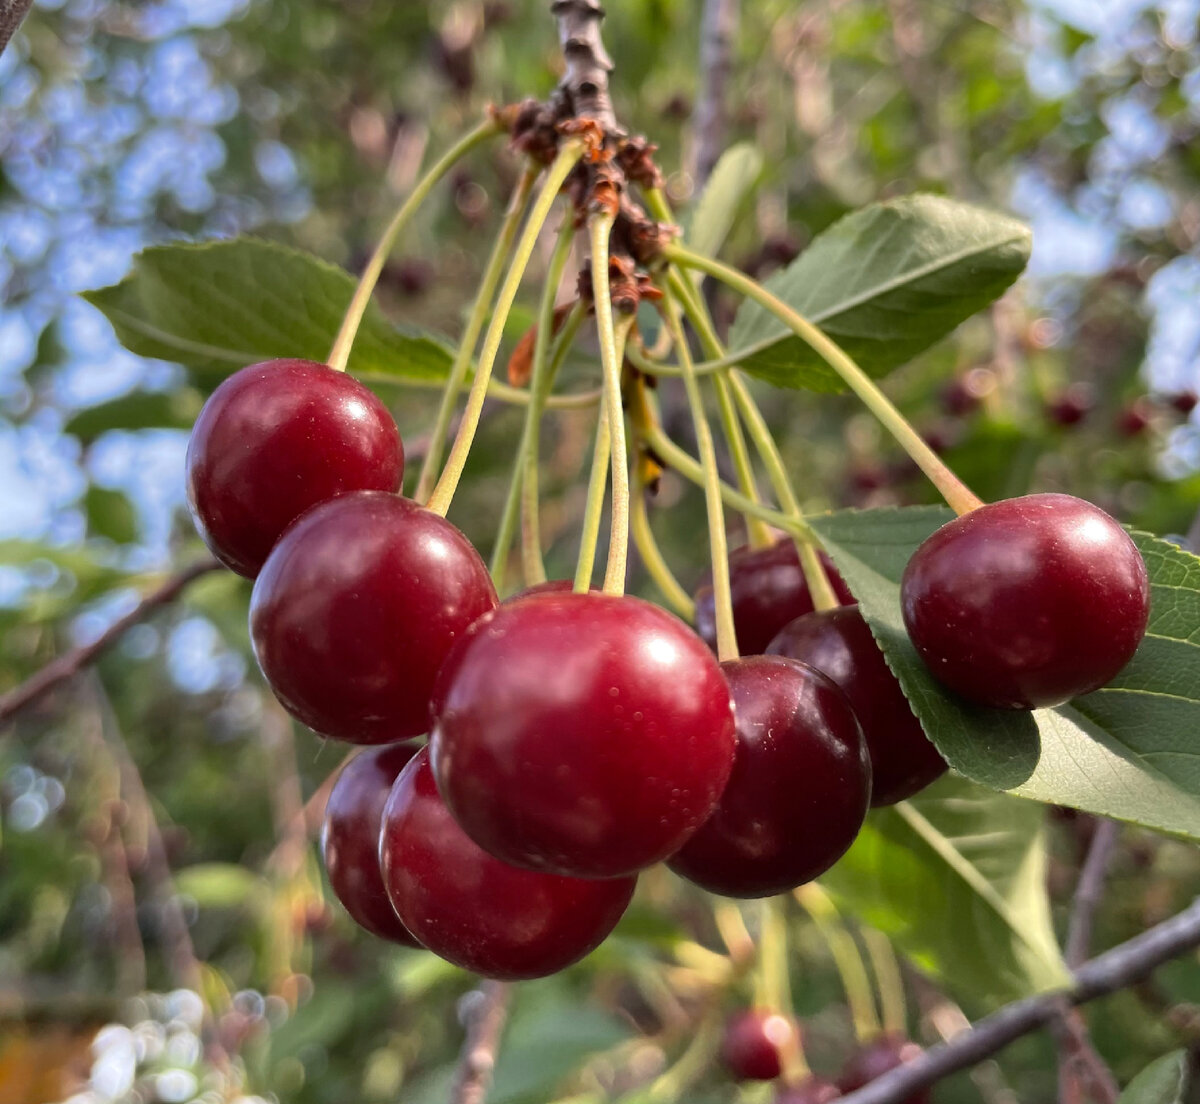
(885, 1054)
(839, 644)
(754, 1044)
(812, 1090)
(275, 439)
(1072, 406)
(582, 734)
(355, 610)
(1027, 602)
(1184, 402)
(800, 786)
(350, 838)
(1135, 417)
(768, 591)
(476, 911)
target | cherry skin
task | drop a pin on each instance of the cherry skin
(886, 1053)
(768, 591)
(356, 608)
(581, 734)
(839, 644)
(275, 439)
(476, 911)
(812, 1090)
(800, 787)
(1027, 602)
(350, 839)
(752, 1043)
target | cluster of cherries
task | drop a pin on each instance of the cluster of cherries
(755, 1043)
(577, 739)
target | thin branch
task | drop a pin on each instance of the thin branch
(585, 83)
(484, 1013)
(69, 664)
(1116, 969)
(12, 12)
(710, 121)
(1089, 892)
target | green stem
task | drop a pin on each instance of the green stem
(653, 367)
(891, 984)
(533, 569)
(501, 251)
(538, 389)
(815, 901)
(775, 985)
(960, 498)
(656, 565)
(727, 648)
(594, 510)
(556, 175)
(612, 350)
(339, 355)
(502, 392)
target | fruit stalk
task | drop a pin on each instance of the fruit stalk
(475, 320)
(652, 558)
(443, 493)
(594, 509)
(485, 1022)
(959, 497)
(339, 355)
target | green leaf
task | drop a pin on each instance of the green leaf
(110, 514)
(1126, 751)
(1166, 1081)
(957, 877)
(219, 885)
(218, 306)
(733, 177)
(175, 409)
(885, 283)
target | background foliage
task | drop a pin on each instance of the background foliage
(125, 125)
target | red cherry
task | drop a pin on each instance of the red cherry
(1184, 402)
(275, 439)
(800, 786)
(355, 610)
(1027, 602)
(582, 734)
(768, 591)
(839, 644)
(886, 1053)
(350, 839)
(1072, 406)
(812, 1090)
(476, 911)
(752, 1045)
(1135, 418)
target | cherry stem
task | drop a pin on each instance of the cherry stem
(889, 980)
(539, 389)
(774, 981)
(556, 175)
(501, 392)
(501, 251)
(758, 534)
(727, 647)
(612, 355)
(594, 510)
(533, 569)
(956, 493)
(339, 355)
(647, 545)
(846, 958)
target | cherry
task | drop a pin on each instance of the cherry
(800, 786)
(812, 1090)
(1184, 402)
(275, 439)
(356, 608)
(1135, 418)
(350, 838)
(752, 1044)
(768, 591)
(1027, 602)
(1072, 406)
(839, 644)
(581, 734)
(476, 911)
(885, 1054)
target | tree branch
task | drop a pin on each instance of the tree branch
(1116, 969)
(12, 12)
(69, 664)
(585, 83)
(1089, 892)
(484, 1013)
(718, 29)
